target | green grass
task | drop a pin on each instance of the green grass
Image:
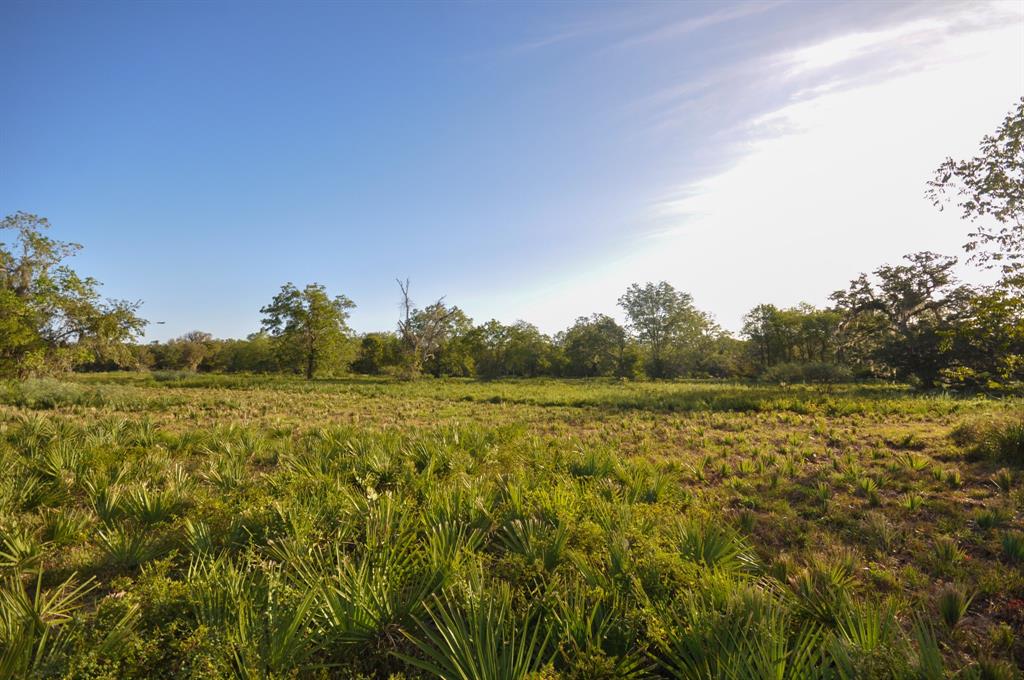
(265, 527)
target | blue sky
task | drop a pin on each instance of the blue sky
(525, 160)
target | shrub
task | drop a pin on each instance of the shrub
(1001, 439)
(816, 372)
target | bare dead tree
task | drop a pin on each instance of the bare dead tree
(421, 330)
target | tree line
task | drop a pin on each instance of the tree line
(913, 321)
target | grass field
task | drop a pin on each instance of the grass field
(260, 527)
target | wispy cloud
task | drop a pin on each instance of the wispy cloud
(645, 29)
(851, 46)
(678, 29)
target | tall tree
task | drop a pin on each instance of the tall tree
(990, 188)
(422, 331)
(664, 320)
(51, 319)
(309, 328)
(907, 312)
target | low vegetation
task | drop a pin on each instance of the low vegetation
(247, 526)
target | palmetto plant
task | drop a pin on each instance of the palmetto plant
(822, 590)
(33, 621)
(126, 546)
(107, 499)
(152, 507)
(911, 501)
(65, 526)
(19, 550)
(373, 593)
(592, 627)
(644, 483)
(226, 471)
(264, 624)
(913, 461)
(734, 629)
(479, 638)
(198, 538)
(593, 463)
(714, 546)
(536, 541)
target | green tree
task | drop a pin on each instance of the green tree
(990, 186)
(519, 350)
(667, 325)
(377, 352)
(52, 319)
(906, 315)
(185, 353)
(799, 334)
(987, 346)
(598, 346)
(309, 329)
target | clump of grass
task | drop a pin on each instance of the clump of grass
(953, 478)
(999, 439)
(908, 442)
(1013, 548)
(1003, 480)
(992, 669)
(946, 554)
(952, 603)
(992, 518)
(883, 533)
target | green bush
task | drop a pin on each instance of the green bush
(814, 372)
(998, 439)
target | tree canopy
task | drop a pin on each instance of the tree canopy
(51, 318)
(309, 329)
(989, 190)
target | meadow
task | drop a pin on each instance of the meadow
(177, 525)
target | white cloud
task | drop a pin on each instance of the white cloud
(854, 45)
